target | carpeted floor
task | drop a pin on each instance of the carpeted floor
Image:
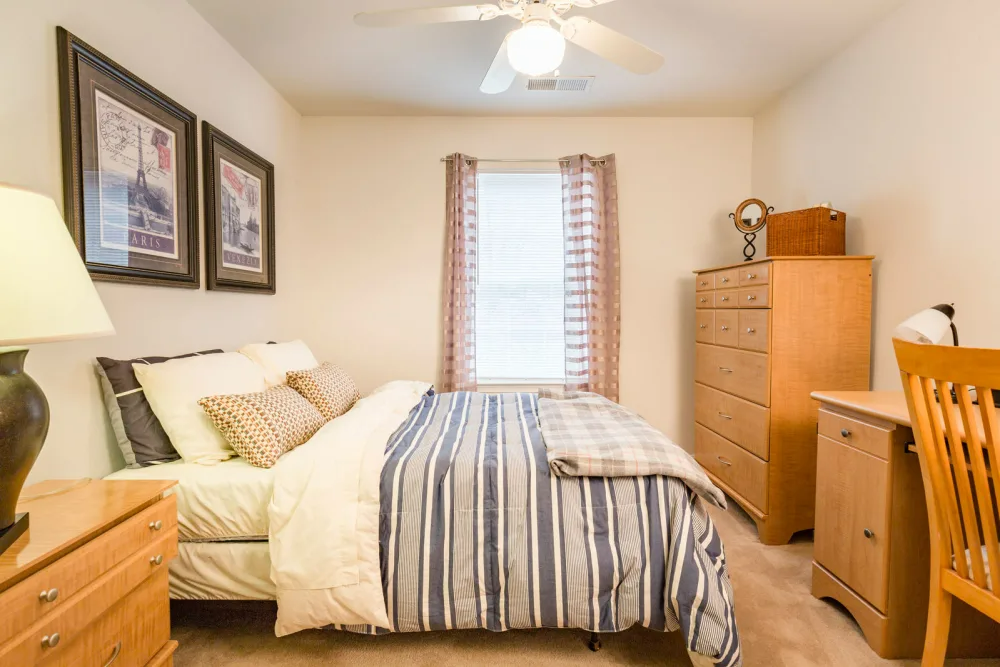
(781, 625)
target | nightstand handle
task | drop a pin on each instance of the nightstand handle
(50, 641)
(156, 560)
(155, 525)
(869, 534)
(114, 654)
(49, 595)
(844, 433)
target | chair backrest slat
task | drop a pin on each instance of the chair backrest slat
(991, 431)
(980, 473)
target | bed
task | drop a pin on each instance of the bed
(428, 511)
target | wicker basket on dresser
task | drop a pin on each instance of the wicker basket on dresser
(767, 334)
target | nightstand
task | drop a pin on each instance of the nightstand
(872, 540)
(88, 583)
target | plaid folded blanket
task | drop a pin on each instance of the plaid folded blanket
(587, 435)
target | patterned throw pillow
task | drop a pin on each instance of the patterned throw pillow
(264, 425)
(328, 387)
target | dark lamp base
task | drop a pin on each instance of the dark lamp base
(10, 534)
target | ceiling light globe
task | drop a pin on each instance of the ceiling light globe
(536, 48)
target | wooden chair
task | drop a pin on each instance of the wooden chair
(959, 446)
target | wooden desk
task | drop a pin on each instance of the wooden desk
(872, 544)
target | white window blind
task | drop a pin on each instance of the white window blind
(519, 296)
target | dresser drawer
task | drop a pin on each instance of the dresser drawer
(852, 519)
(132, 632)
(755, 275)
(704, 281)
(71, 619)
(727, 323)
(22, 604)
(755, 331)
(727, 278)
(857, 434)
(754, 297)
(738, 372)
(704, 326)
(743, 472)
(744, 423)
(728, 298)
(704, 300)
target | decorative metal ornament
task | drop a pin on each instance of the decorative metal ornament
(749, 223)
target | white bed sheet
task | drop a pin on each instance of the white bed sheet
(221, 502)
(222, 571)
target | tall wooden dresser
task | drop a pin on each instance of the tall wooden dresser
(768, 333)
(88, 583)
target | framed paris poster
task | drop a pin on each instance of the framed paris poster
(239, 215)
(129, 172)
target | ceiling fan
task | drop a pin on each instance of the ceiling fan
(536, 47)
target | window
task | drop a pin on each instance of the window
(520, 290)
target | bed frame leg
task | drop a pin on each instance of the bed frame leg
(595, 642)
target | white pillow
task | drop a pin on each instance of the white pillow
(279, 358)
(174, 387)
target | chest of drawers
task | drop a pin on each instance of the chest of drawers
(767, 333)
(88, 583)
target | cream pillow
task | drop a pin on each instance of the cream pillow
(277, 359)
(174, 387)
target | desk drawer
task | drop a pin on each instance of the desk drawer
(746, 424)
(740, 470)
(72, 618)
(745, 374)
(866, 437)
(22, 604)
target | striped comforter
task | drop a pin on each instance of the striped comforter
(476, 533)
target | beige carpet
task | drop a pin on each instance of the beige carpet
(781, 625)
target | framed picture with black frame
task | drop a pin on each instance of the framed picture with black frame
(130, 176)
(239, 215)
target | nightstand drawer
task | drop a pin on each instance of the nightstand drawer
(852, 519)
(857, 434)
(71, 620)
(746, 424)
(743, 472)
(704, 326)
(22, 604)
(745, 374)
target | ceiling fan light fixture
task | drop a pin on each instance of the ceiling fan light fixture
(536, 48)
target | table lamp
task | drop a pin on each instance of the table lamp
(929, 326)
(46, 295)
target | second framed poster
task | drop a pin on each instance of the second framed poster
(239, 215)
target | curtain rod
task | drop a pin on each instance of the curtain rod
(601, 162)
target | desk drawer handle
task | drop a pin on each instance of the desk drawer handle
(751, 330)
(155, 525)
(156, 560)
(725, 370)
(751, 297)
(868, 533)
(725, 416)
(114, 654)
(844, 433)
(724, 461)
(50, 641)
(49, 595)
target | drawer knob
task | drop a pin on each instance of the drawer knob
(702, 326)
(725, 416)
(156, 560)
(703, 283)
(725, 370)
(704, 300)
(751, 276)
(725, 328)
(868, 533)
(155, 525)
(50, 641)
(724, 461)
(725, 280)
(725, 298)
(845, 433)
(751, 297)
(751, 330)
(49, 595)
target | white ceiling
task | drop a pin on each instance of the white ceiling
(723, 57)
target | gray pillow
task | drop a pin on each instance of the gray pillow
(139, 433)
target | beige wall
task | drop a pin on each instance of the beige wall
(901, 132)
(374, 190)
(169, 45)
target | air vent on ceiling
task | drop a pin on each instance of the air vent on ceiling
(561, 84)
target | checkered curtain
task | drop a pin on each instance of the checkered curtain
(592, 312)
(459, 364)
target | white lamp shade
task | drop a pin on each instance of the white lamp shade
(536, 48)
(928, 326)
(46, 294)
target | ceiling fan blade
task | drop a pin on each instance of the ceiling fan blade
(611, 45)
(399, 17)
(501, 74)
(587, 4)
